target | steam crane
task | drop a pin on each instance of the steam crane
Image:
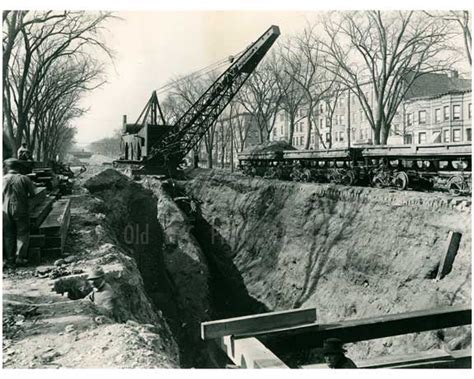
(160, 148)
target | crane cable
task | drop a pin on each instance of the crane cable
(200, 73)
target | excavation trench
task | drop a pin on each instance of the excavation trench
(216, 246)
(187, 272)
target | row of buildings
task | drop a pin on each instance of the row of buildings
(437, 109)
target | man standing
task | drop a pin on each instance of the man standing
(103, 296)
(334, 354)
(17, 189)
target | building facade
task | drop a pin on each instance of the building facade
(437, 109)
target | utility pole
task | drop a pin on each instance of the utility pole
(348, 118)
(231, 147)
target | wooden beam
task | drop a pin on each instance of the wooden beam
(433, 358)
(446, 263)
(257, 323)
(310, 336)
(250, 353)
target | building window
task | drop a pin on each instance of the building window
(446, 136)
(341, 121)
(468, 134)
(301, 112)
(456, 135)
(320, 122)
(456, 113)
(336, 137)
(360, 134)
(361, 112)
(422, 117)
(301, 140)
(281, 129)
(422, 137)
(408, 139)
(321, 108)
(337, 120)
(328, 137)
(328, 122)
(341, 136)
(282, 117)
(469, 110)
(446, 112)
(274, 131)
(409, 119)
(437, 115)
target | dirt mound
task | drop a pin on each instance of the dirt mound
(98, 160)
(349, 252)
(271, 146)
(46, 328)
(107, 179)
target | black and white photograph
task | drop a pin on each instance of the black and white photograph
(227, 186)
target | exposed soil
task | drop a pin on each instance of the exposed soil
(349, 252)
(43, 328)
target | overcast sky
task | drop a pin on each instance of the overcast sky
(153, 47)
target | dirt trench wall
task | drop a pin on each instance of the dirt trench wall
(349, 252)
(147, 221)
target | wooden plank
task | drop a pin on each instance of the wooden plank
(446, 263)
(250, 353)
(38, 198)
(52, 253)
(53, 222)
(34, 255)
(433, 358)
(310, 336)
(37, 240)
(53, 241)
(399, 360)
(257, 323)
(38, 214)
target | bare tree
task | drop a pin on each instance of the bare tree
(36, 44)
(305, 64)
(293, 95)
(261, 97)
(384, 53)
(331, 100)
(462, 21)
(184, 92)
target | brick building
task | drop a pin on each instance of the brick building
(436, 109)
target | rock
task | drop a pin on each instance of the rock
(70, 328)
(42, 270)
(133, 323)
(70, 259)
(59, 262)
(49, 355)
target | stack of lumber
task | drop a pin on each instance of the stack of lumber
(55, 227)
(49, 222)
(44, 176)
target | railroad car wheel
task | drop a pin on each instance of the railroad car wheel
(457, 185)
(378, 182)
(348, 179)
(401, 180)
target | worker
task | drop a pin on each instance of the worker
(334, 356)
(17, 190)
(23, 153)
(102, 295)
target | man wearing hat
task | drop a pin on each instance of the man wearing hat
(17, 189)
(334, 354)
(102, 295)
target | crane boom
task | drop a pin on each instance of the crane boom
(162, 147)
(197, 120)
